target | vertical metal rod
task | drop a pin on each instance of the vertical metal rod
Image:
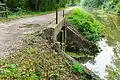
(63, 13)
(56, 16)
(65, 35)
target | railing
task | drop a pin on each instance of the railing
(4, 11)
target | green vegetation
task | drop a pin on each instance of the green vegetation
(18, 15)
(11, 71)
(37, 61)
(108, 5)
(74, 55)
(26, 8)
(113, 73)
(77, 68)
(36, 5)
(85, 24)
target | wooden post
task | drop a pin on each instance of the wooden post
(6, 11)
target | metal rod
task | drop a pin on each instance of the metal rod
(56, 16)
(64, 29)
(63, 13)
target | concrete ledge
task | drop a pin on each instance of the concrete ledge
(86, 70)
(52, 30)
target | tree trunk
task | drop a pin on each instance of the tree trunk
(73, 2)
(36, 5)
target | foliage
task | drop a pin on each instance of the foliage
(36, 5)
(113, 74)
(118, 7)
(86, 24)
(14, 71)
(109, 5)
(36, 61)
(93, 3)
(77, 68)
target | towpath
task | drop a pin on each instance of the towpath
(12, 32)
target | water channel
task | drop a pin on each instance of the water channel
(109, 57)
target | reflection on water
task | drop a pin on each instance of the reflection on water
(103, 59)
(110, 45)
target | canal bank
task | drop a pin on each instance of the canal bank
(107, 62)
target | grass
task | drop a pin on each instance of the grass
(18, 15)
(85, 24)
(75, 55)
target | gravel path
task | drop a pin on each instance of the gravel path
(12, 32)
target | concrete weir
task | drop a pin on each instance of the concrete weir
(64, 33)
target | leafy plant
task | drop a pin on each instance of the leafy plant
(108, 5)
(118, 7)
(12, 71)
(86, 24)
(77, 68)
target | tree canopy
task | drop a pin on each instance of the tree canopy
(37, 5)
(109, 5)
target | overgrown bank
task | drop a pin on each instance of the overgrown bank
(107, 5)
(37, 60)
(90, 31)
(86, 24)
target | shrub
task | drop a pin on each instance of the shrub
(77, 68)
(118, 7)
(85, 24)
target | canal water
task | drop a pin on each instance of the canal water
(108, 60)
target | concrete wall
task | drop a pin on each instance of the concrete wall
(75, 42)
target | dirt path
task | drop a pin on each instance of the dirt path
(13, 31)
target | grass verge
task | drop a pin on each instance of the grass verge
(19, 15)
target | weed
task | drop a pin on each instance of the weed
(77, 68)
(86, 24)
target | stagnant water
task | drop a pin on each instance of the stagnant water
(110, 45)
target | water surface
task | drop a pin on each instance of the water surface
(109, 57)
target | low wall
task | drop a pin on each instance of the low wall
(75, 42)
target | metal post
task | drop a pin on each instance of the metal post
(56, 15)
(65, 35)
(63, 13)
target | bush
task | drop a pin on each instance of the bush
(118, 7)
(77, 68)
(86, 24)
